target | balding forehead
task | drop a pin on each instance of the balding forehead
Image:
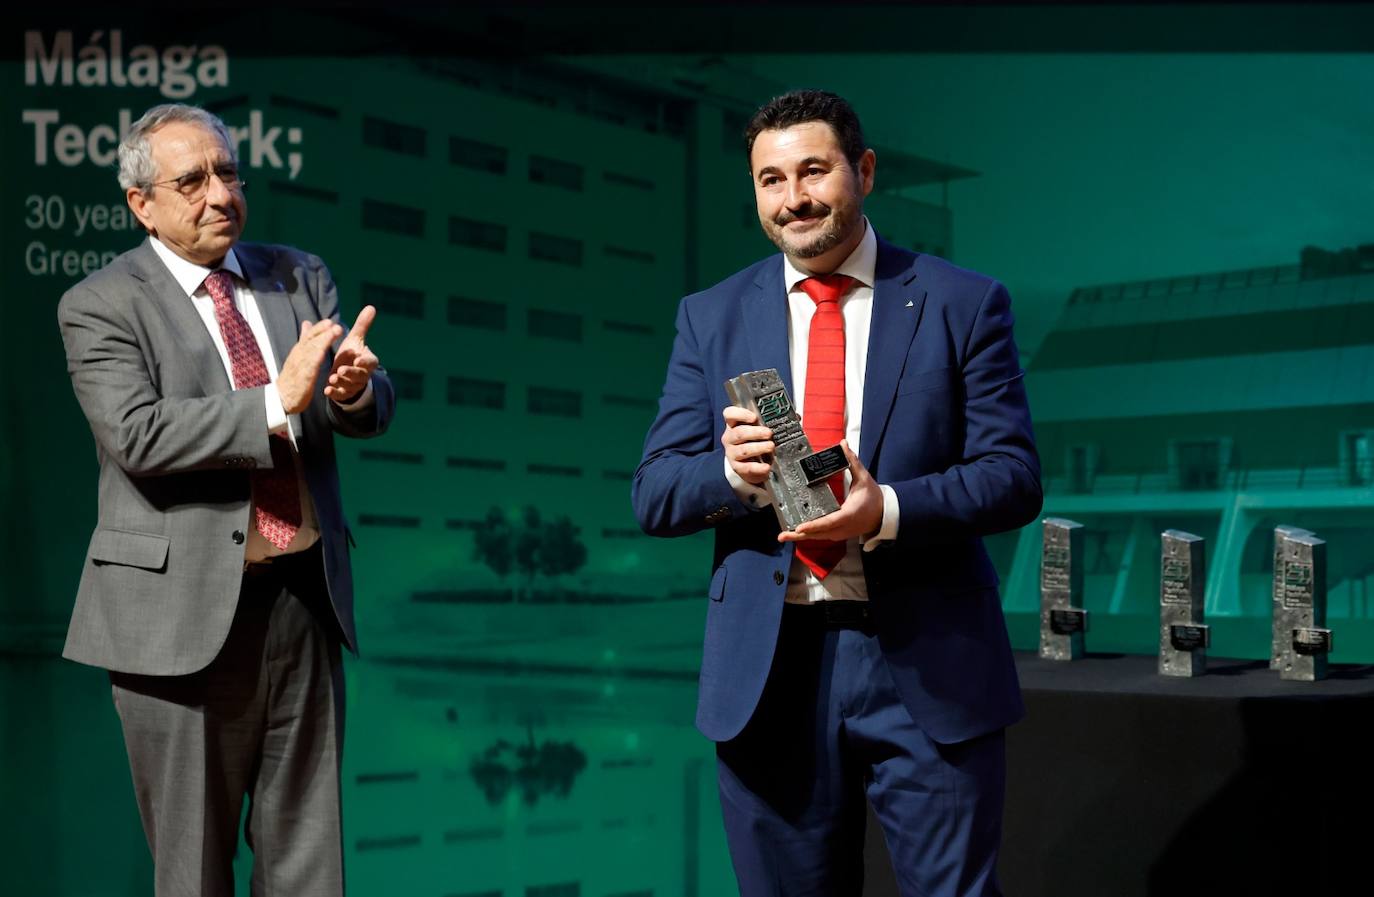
(187, 146)
(192, 134)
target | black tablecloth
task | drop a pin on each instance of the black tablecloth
(1122, 782)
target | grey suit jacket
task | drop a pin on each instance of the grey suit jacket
(176, 445)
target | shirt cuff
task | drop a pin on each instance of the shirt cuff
(278, 421)
(753, 496)
(362, 400)
(887, 530)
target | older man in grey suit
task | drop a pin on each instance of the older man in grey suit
(216, 589)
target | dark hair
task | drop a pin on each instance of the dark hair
(800, 106)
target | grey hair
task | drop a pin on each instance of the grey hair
(136, 166)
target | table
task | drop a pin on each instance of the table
(1122, 782)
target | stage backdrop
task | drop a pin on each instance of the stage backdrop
(1185, 236)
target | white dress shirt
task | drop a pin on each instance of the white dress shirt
(191, 278)
(846, 580)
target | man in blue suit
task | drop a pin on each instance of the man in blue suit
(864, 651)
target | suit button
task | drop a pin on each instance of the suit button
(777, 577)
(237, 537)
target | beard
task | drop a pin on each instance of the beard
(836, 226)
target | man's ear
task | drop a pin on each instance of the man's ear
(138, 204)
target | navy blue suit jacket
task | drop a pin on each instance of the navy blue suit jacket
(945, 424)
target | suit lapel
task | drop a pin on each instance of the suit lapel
(898, 299)
(283, 304)
(274, 303)
(765, 322)
(181, 316)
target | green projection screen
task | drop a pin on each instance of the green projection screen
(1177, 200)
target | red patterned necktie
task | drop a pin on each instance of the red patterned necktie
(823, 407)
(276, 492)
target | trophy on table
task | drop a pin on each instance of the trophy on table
(798, 478)
(1281, 535)
(1062, 619)
(1300, 611)
(1183, 636)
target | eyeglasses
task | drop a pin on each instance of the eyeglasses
(195, 184)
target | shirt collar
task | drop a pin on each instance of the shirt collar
(188, 275)
(861, 264)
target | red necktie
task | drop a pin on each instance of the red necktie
(276, 492)
(823, 408)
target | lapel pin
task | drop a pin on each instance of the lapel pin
(909, 303)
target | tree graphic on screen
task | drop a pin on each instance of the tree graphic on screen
(532, 770)
(534, 546)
